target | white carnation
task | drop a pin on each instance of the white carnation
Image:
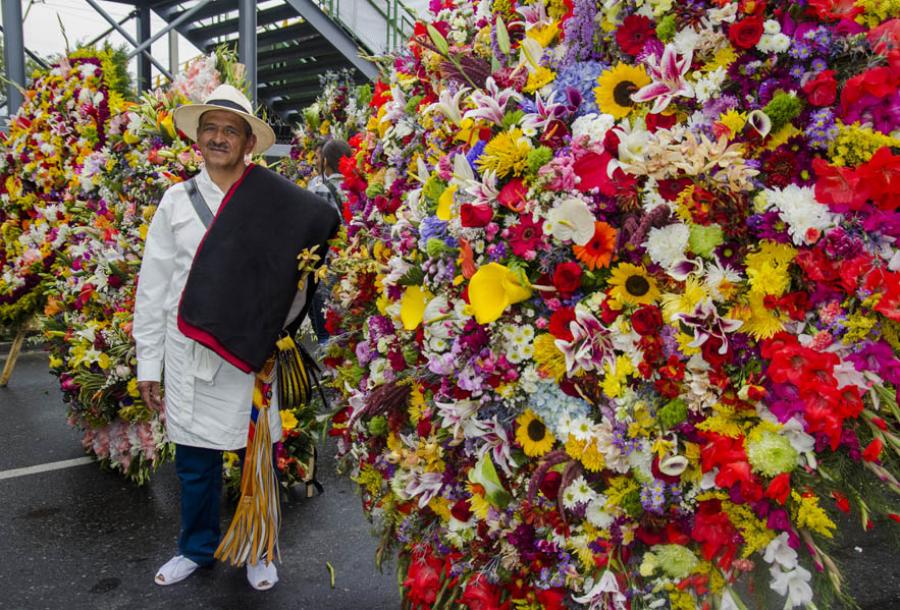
(666, 246)
(592, 125)
(805, 216)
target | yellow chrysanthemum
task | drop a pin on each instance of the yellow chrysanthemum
(615, 87)
(506, 153)
(591, 457)
(533, 435)
(769, 279)
(733, 120)
(759, 321)
(684, 301)
(537, 79)
(632, 285)
(551, 362)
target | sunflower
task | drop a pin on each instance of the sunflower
(615, 86)
(632, 285)
(533, 435)
(599, 250)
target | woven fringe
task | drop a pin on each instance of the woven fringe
(294, 386)
(253, 533)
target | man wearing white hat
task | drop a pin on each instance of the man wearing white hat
(217, 285)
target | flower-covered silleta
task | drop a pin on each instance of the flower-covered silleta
(616, 313)
(61, 122)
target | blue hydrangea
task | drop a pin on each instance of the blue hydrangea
(551, 404)
(581, 76)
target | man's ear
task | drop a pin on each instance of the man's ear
(251, 144)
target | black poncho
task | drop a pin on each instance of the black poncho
(244, 276)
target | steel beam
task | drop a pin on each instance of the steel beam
(247, 42)
(128, 37)
(332, 32)
(13, 54)
(144, 69)
(145, 44)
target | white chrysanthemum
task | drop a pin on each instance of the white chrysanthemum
(666, 245)
(773, 43)
(578, 492)
(709, 86)
(592, 125)
(806, 218)
(571, 220)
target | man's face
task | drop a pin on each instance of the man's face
(223, 139)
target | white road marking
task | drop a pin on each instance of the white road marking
(21, 472)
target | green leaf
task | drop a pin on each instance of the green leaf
(438, 39)
(502, 36)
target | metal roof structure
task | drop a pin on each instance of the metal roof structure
(286, 45)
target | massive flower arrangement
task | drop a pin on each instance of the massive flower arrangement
(61, 122)
(340, 111)
(617, 311)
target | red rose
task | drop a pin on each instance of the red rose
(646, 320)
(559, 323)
(475, 215)
(567, 277)
(822, 90)
(746, 33)
(634, 33)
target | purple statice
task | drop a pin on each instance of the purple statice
(579, 32)
(582, 77)
(653, 496)
(821, 130)
(714, 107)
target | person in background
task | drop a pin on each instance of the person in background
(327, 185)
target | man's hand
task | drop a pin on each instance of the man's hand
(150, 392)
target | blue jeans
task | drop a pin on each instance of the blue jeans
(200, 473)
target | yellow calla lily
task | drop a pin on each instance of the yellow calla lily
(412, 306)
(445, 204)
(492, 289)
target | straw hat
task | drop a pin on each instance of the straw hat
(225, 97)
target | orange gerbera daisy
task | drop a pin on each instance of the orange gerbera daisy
(599, 250)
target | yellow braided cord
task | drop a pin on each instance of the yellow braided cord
(253, 533)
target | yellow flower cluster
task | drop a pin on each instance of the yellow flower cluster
(877, 11)
(809, 515)
(855, 144)
(754, 530)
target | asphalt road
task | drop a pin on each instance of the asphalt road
(82, 538)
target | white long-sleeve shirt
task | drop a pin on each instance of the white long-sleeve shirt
(207, 400)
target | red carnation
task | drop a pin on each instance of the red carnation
(646, 320)
(634, 33)
(475, 215)
(822, 90)
(746, 33)
(559, 323)
(567, 277)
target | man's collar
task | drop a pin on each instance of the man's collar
(204, 179)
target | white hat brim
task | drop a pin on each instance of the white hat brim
(187, 119)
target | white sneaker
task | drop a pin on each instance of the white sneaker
(175, 570)
(262, 576)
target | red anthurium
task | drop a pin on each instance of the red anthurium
(513, 194)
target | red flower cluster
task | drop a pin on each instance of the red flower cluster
(847, 188)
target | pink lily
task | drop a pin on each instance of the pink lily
(667, 73)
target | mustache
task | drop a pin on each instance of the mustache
(218, 148)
